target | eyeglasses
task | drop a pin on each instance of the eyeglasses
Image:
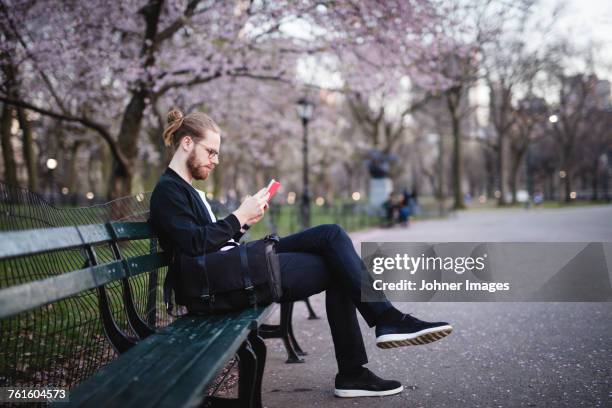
(212, 153)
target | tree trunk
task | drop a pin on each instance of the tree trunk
(513, 187)
(72, 172)
(10, 167)
(516, 164)
(28, 150)
(595, 181)
(606, 180)
(122, 175)
(441, 195)
(552, 186)
(568, 186)
(501, 172)
(457, 156)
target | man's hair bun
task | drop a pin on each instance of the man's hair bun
(174, 115)
(175, 120)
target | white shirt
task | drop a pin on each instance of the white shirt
(213, 218)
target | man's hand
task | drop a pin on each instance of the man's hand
(255, 220)
(253, 208)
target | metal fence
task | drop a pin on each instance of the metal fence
(63, 343)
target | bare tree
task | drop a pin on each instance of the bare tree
(574, 115)
(529, 124)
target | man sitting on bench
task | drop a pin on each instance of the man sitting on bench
(316, 259)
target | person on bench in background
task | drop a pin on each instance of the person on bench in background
(320, 258)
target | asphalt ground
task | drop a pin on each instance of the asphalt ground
(499, 355)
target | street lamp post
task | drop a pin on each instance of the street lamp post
(554, 120)
(304, 110)
(51, 166)
(528, 175)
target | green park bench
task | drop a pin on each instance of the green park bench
(52, 338)
(51, 277)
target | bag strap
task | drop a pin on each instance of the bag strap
(246, 277)
(168, 287)
(167, 293)
(205, 294)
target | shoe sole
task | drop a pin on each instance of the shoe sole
(413, 339)
(366, 393)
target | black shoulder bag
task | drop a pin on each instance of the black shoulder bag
(224, 281)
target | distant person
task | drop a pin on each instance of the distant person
(390, 208)
(317, 259)
(538, 198)
(415, 202)
(405, 209)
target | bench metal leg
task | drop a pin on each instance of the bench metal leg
(249, 381)
(119, 340)
(247, 377)
(284, 332)
(291, 336)
(311, 313)
(138, 325)
(259, 347)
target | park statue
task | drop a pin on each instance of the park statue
(379, 165)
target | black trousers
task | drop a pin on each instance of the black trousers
(323, 258)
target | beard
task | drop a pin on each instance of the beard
(196, 167)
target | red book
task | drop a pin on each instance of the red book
(273, 187)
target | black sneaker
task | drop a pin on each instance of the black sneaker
(410, 331)
(366, 384)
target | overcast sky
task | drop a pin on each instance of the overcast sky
(584, 21)
(589, 18)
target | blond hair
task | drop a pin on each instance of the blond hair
(195, 124)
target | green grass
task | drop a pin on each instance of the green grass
(492, 205)
(287, 220)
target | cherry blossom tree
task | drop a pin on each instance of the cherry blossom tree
(103, 67)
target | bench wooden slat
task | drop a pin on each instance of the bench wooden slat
(19, 298)
(160, 363)
(133, 230)
(208, 353)
(146, 263)
(30, 242)
(146, 350)
(189, 389)
(133, 365)
(36, 241)
(30, 295)
(129, 388)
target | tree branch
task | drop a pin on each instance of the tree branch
(198, 80)
(179, 84)
(100, 129)
(43, 75)
(177, 24)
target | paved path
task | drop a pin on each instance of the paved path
(593, 223)
(500, 355)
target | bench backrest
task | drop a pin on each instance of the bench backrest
(74, 290)
(28, 244)
(64, 291)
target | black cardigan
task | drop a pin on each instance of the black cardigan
(182, 223)
(180, 219)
